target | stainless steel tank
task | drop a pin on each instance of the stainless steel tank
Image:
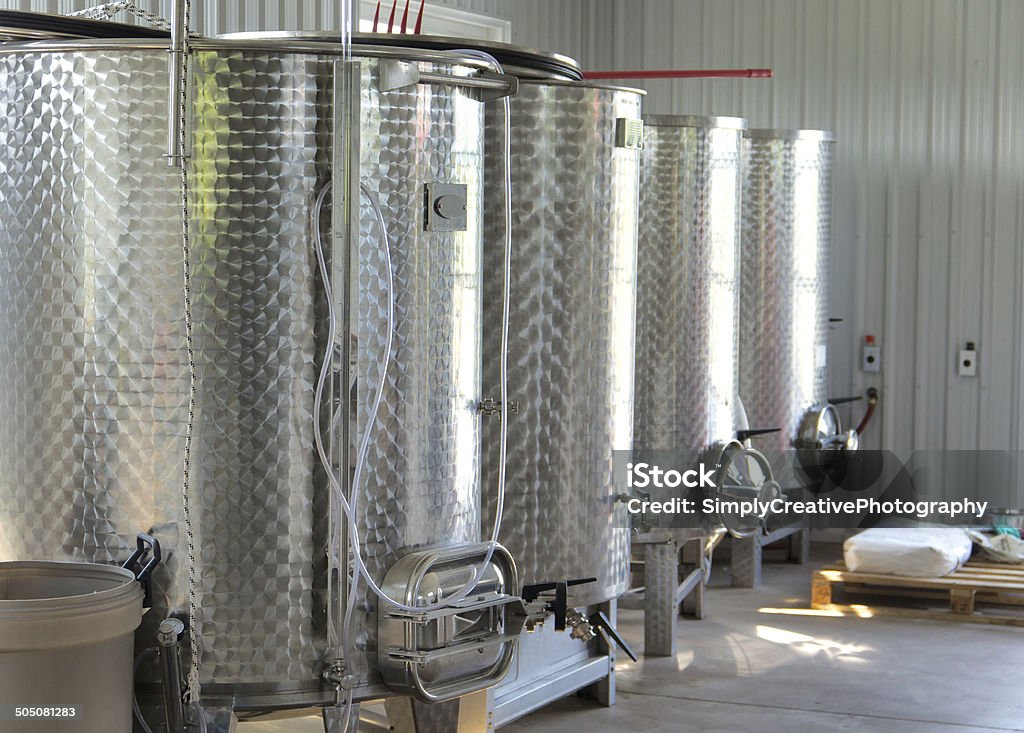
(688, 283)
(688, 314)
(574, 172)
(785, 294)
(92, 358)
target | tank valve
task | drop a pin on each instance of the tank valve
(335, 676)
(581, 628)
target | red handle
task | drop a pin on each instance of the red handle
(682, 74)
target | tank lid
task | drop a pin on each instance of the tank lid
(520, 61)
(823, 136)
(16, 25)
(731, 123)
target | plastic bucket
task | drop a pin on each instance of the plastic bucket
(66, 646)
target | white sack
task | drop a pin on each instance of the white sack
(918, 552)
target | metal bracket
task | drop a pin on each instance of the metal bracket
(629, 133)
(492, 86)
(395, 74)
(468, 605)
(487, 85)
(490, 407)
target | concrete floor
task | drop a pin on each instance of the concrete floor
(756, 662)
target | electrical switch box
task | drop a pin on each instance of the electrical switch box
(872, 356)
(968, 363)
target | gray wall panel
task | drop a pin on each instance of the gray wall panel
(924, 96)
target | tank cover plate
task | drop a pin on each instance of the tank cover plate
(445, 207)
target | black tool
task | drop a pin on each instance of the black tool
(744, 435)
(611, 635)
(144, 545)
(845, 400)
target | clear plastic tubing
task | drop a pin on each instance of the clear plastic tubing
(479, 572)
(346, 29)
(347, 504)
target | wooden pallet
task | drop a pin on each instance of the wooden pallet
(979, 592)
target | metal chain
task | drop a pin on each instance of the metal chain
(106, 11)
(192, 687)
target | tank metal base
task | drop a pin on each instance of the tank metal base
(551, 665)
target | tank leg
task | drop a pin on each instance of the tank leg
(746, 561)
(661, 572)
(799, 548)
(465, 715)
(334, 719)
(693, 558)
(603, 691)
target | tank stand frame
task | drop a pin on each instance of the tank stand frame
(747, 553)
(676, 568)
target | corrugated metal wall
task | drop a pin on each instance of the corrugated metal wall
(926, 98)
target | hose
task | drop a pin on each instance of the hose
(478, 572)
(200, 717)
(347, 504)
(195, 707)
(135, 700)
(872, 403)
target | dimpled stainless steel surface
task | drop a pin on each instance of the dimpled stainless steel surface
(254, 162)
(688, 283)
(92, 343)
(92, 375)
(785, 302)
(570, 360)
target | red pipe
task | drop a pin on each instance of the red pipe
(376, 17)
(682, 74)
(419, 19)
